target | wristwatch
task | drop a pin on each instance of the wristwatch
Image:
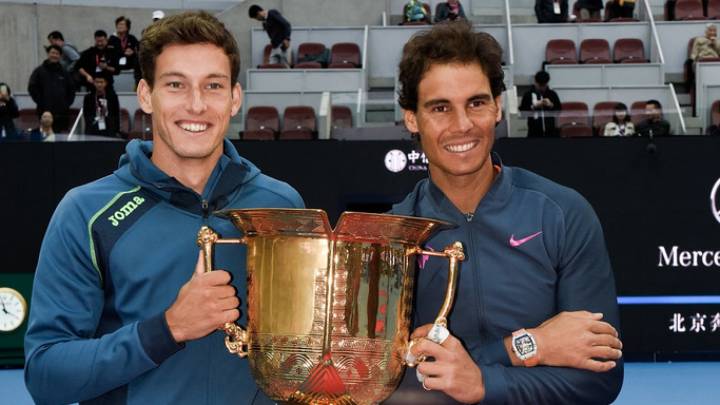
(525, 348)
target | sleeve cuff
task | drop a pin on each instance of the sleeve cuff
(496, 386)
(156, 338)
(493, 353)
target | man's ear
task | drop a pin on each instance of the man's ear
(410, 121)
(498, 103)
(144, 95)
(237, 98)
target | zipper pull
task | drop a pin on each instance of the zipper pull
(205, 208)
(469, 216)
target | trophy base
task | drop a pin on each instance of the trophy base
(299, 398)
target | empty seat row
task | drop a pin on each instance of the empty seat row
(314, 55)
(299, 122)
(595, 50)
(574, 118)
(692, 10)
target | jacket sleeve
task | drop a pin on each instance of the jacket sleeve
(34, 87)
(286, 28)
(88, 112)
(526, 103)
(66, 359)
(12, 109)
(585, 282)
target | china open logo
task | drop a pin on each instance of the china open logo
(395, 160)
(715, 200)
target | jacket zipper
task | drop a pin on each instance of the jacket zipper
(479, 296)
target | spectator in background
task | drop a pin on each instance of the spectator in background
(8, 112)
(620, 124)
(101, 109)
(654, 125)
(706, 46)
(70, 54)
(590, 9)
(98, 59)
(414, 12)
(157, 15)
(541, 104)
(125, 46)
(622, 9)
(450, 10)
(278, 29)
(45, 131)
(551, 11)
(52, 89)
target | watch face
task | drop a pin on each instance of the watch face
(12, 309)
(524, 346)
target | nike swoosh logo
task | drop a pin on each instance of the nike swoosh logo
(517, 242)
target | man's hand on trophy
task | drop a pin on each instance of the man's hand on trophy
(451, 369)
(204, 304)
(578, 339)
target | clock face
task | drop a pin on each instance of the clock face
(13, 309)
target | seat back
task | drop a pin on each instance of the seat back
(141, 125)
(689, 10)
(345, 53)
(715, 113)
(595, 50)
(124, 121)
(266, 54)
(261, 122)
(576, 131)
(602, 114)
(309, 48)
(629, 50)
(298, 123)
(341, 117)
(573, 113)
(637, 112)
(28, 119)
(713, 9)
(560, 51)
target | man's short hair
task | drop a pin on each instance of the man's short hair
(655, 103)
(53, 46)
(254, 11)
(542, 77)
(123, 18)
(100, 33)
(446, 44)
(193, 27)
(56, 35)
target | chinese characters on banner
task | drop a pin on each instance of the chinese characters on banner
(695, 323)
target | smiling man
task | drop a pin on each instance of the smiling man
(122, 311)
(535, 252)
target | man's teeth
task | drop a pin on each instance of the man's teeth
(194, 127)
(460, 148)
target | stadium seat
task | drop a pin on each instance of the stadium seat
(261, 123)
(298, 123)
(272, 66)
(28, 119)
(602, 114)
(689, 10)
(341, 117)
(309, 51)
(715, 113)
(141, 126)
(573, 113)
(266, 55)
(560, 51)
(308, 65)
(713, 9)
(629, 50)
(345, 55)
(576, 131)
(595, 50)
(124, 121)
(637, 112)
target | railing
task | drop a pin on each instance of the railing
(75, 125)
(653, 28)
(683, 128)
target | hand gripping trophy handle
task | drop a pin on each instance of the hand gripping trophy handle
(236, 340)
(439, 332)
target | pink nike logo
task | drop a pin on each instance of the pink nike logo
(424, 258)
(518, 242)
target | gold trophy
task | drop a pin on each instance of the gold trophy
(329, 310)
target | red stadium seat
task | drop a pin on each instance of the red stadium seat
(602, 114)
(575, 131)
(124, 121)
(595, 50)
(560, 51)
(713, 9)
(345, 55)
(573, 113)
(141, 126)
(637, 112)
(715, 113)
(28, 119)
(308, 65)
(689, 10)
(308, 50)
(261, 123)
(629, 50)
(298, 123)
(272, 66)
(341, 117)
(266, 54)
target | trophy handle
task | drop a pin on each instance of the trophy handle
(455, 254)
(236, 340)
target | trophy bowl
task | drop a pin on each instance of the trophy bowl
(328, 309)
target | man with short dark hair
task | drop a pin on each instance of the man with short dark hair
(541, 104)
(98, 59)
(52, 89)
(70, 55)
(101, 109)
(123, 311)
(654, 124)
(535, 315)
(278, 29)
